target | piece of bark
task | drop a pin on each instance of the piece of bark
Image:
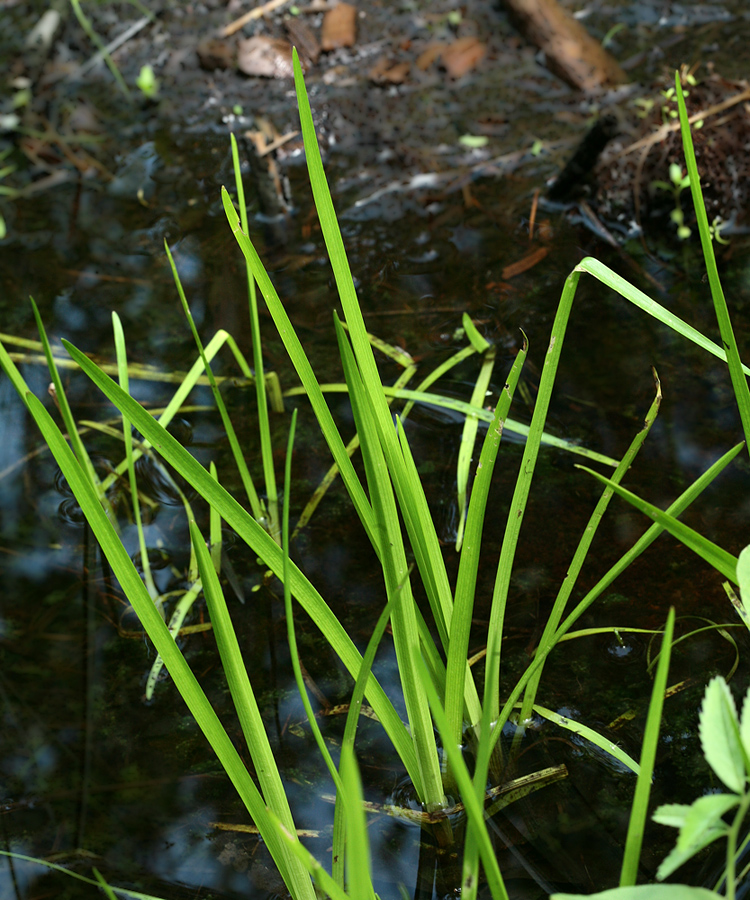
(462, 55)
(339, 27)
(303, 38)
(264, 56)
(570, 51)
(216, 54)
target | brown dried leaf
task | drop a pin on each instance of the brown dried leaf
(463, 55)
(339, 27)
(265, 57)
(383, 72)
(431, 53)
(303, 38)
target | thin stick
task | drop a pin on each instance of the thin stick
(532, 217)
(256, 13)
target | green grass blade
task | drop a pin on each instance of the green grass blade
(97, 41)
(261, 543)
(241, 690)
(589, 734)
(258, 508)
(643, 302)
(178, 399)
(491, 702)
(395, 571)
(122, 892)
(645, 541)
(718, 557)
(639, 810)
(67, 417)
(473, 803)
(584, 544)
(469, 564)
(468, 437)
(358, 868)
(304, 371)
(289, 613)
(264, 425)
(127, 434)
(152, 622)
(728, 340)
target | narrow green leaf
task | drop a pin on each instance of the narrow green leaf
(728, 340)
(590, 735)
(637, 823)
(358, 868)
(152, 622)
(261, 543)
(712, 553)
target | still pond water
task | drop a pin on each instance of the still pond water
(93, 775)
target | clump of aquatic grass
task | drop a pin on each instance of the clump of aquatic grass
(437, 683)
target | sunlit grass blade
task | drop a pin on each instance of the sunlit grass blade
(180, 611)
(258, 508)
(589, 734)
(127, 434)
(468, 437)
(176, 403)
(463, 608)
(631, 293)
(304, 371)
(467, 409)
(584, 544)
(491, 701)
(358, 868)
(261, 543)
(143, 605)
(719, 558)
(477, 833)
(392, 557)
(264, 426)
(122, 892)
(61, 401)
(645, 541)
(728, 340)
(289, 613)
(240, 688)
(639, 811)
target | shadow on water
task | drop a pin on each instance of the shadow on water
(92, 775)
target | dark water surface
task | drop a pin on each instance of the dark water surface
(92, 775)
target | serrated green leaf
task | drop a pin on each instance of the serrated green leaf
(680, 855)
(703, 815)
(720, 735)
(673, 814)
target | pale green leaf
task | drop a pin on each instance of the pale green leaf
(720, 735)
(645, 892)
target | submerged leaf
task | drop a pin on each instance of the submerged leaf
(720, 735)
